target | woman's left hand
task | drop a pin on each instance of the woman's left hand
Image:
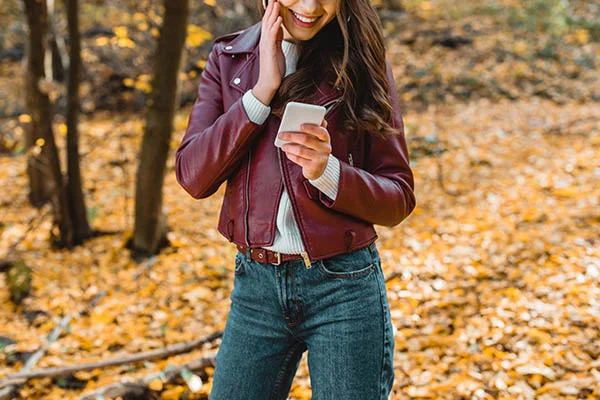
(309, 149)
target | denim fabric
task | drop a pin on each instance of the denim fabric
(337, 310)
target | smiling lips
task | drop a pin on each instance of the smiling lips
(304, 19)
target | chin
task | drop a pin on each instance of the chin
(303, 36)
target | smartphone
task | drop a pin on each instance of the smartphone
(296, 114)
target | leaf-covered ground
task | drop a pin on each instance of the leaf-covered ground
(497, 292)
(497, 272)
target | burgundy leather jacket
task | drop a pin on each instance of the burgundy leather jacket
(222, 144)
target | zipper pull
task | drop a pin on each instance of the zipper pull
(350, 160)
(306, 260)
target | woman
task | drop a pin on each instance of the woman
(307, 272)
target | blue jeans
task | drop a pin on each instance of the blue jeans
(337, 310)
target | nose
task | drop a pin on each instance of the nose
(309, 6)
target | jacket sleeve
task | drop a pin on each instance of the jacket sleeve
(215, 140)
(383, 192)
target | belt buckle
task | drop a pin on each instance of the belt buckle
(278, 255)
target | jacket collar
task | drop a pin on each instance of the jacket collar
(245, 42)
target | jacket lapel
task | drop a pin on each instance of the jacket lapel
(246, 45)
(245, 42)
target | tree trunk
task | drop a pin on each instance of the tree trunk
(39, 188)
(77, 209)
(150, 227)
(253, 7)
(47, 161)
(55, 58)
(393, 4)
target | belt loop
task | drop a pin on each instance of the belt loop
(248, 257)
(373, 249)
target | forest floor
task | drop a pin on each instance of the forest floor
(498, 268)
(499, 265)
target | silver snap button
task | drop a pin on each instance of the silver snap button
(228, 47)
(236, 81)
(260, 255)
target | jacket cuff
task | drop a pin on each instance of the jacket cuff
(256, 110)
(328, 182)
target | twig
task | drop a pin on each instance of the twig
(31, 226)
(558, 129)
(392, 276)
(440, 178)
(7, 390)
(167, 376)
(147, 265)
(178, 348)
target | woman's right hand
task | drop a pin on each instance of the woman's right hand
(272, 60)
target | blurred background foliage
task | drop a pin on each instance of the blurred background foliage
(441, 50)
(494, 277)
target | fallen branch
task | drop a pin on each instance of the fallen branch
(147, 265)
(440, 178)
(6, 391)
(392, 276)
(566, 128)
(178, 348)
(126, 388)
(10, 258)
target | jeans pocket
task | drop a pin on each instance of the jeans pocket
(353, 265)
(239, 264)
(346, 273)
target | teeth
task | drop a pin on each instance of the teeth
(304, 19)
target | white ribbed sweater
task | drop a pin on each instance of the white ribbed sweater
(287, 236)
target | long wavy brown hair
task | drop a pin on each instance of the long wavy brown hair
(351, 56)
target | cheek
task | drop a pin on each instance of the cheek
(284, 12)
(331, 14)
(285, 4)
(329, 19)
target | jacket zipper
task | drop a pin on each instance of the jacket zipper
(303, 254)
(328, 107)
(247, 197)
(331, 104)
(350, 159)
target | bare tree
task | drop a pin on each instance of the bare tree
(76, 201)
(150, 224)
(56, 55)
(393, 4)
(44, 172)
(37, 103)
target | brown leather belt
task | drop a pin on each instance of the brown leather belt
(265, 256)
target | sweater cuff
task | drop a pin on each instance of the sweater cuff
(256, 110)
(329, 180)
